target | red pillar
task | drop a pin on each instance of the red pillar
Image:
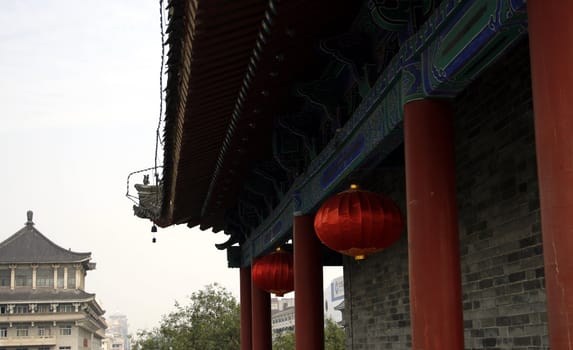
(551, 51)
(261, 305)
(245, 280)
(433, 242)
(308, 312)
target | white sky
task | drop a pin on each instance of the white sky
(79, 104)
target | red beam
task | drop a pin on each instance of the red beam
(246, 308)
(551, 51)
(433, 242)
(261, 318)
(308, 312)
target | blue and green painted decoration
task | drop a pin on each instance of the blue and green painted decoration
(457, 41)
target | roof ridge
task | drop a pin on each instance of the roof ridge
(29, 245)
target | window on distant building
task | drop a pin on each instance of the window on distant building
(3, 332)
(44, 348)
(65, 348)
(66, 329)
(60, 277)
(23, 276)
(3, 309)
(5, 276)
(43, 308)
(65, 308)
(21, 309)
(22, 331)
(44, 331)
(71, 278)
(45, 277)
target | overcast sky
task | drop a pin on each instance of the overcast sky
(79, 104)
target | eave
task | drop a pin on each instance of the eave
(219, 124)
(204, 37)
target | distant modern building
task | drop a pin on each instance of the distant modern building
(282, 310)
(279, 304)
(117, 333)
(282, 321)
(333, 297)
(43, 304)
(282, 315)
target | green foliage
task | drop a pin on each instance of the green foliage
(334, 338)
(146, 340)
(210, 321)
(284, 341)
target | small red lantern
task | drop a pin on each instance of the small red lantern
(358, 223)
(274, 273)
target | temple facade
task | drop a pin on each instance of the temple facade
(459, 112)
(43, 304)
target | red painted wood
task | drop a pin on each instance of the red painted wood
(309, 315)
(551, 50)
(246, 329)
(433, 242)
(261, 319)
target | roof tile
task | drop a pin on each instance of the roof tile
(30, 246)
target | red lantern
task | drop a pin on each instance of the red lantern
(274, 273)
(358, 223)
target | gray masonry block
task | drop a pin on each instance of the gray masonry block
(500, 232)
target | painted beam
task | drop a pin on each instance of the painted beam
(450, 50)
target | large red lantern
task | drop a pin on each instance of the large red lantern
(274, 273)
(358, 223)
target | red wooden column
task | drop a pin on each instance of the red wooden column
(551, 51)
(433, 242)
(245, 280)
(261, 321)
(308, 312)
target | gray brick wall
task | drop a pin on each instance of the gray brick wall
(500, 238)
(500, 233)
(376, 289)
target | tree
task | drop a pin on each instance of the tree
(149, 340)
(334, 338)
(210, 321)
(284, 341)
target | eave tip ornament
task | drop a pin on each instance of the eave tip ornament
(358, 223)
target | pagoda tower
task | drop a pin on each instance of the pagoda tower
(43, 304)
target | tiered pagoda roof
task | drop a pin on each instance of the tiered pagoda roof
(47, 295)
(29, 245)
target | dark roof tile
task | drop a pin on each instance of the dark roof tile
(44, 294)
(30, 246)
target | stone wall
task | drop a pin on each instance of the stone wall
(500, 238)
(500, 232)
(376, 291)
